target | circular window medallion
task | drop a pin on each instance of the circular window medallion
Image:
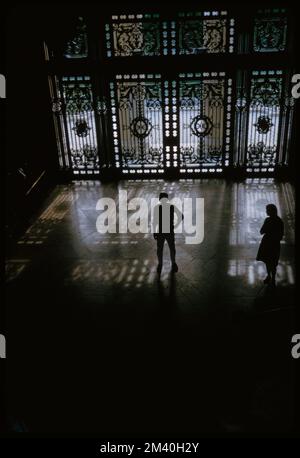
(201, 126)
(140, 127)
(263, 124)
(81, 128)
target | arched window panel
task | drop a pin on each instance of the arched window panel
(137, 122)
(135, 35)
(75, 125)
(204, 122)
(77, 45)
(270, 30)
(207, 32)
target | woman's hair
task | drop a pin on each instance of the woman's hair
(271, 210)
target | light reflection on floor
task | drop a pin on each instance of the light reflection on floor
(249, 201)
(14, 268)
(234, 214)
(254, 272)
(122, 273)
(60, 203)
(102, 317)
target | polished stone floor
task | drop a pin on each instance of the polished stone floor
(99, 343)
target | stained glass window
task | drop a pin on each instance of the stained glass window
(175, 119)
(77, 46)
(76, 127)
(204, 106)
(133, 35)
(264, 119)
(205, 32)
(270, 31)
(137, 121)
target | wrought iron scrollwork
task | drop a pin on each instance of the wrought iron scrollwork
(78, 98)
(136, 38)
(140, 127)
(101, 105)
(270, 34)
(196, 156)
(263, 124)
(57, 105)
(202, 36)
(201, 116)
(140, 121)
(201, 125)
(81, 128)
(77, 46)
(266, 92)
(260, 154)
(263, 119)
(192, 93)
(78, 110)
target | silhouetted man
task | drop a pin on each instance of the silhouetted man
(163, 229)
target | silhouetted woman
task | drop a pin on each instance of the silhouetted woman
(269, 248)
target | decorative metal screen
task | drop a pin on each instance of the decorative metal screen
(205, 32)
(270, 31)
(204, 119)
(77, 46)
(75, 124)
(135, 35)
(264, 120)
(168, 119)
(137, 116)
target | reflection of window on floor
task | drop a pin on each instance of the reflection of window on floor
(38, 233)
(14, 268)
(249, 202)
(254, 272)
(288, 196)
(126, 273)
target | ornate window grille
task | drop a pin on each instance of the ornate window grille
(207, 32)
(270, 31)
(204, 121)
(263, 118)
(77, 45)
(75, 125)
(135, 35)
(137, 122)
(176, 118)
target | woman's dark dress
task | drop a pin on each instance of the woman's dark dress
(269, 248)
